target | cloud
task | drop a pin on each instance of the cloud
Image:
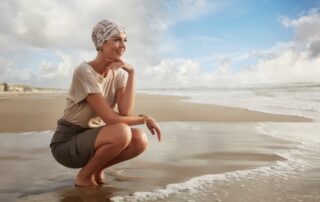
(307, 27)
(52, 74)
(315, 48)
(289, 65)
(68, 24)
(170, 73)
(56, 26)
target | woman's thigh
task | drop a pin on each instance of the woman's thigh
(118, 134)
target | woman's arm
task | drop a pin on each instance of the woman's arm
(98, 104)
(125, 97)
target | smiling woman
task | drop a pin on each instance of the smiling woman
(91, 135)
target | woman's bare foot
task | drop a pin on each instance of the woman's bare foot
(85, 182)
(99, 178)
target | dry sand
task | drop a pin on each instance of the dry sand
(38, 112)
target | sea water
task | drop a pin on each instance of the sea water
(301, 99)
(295, 179)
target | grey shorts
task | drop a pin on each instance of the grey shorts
(72, 145)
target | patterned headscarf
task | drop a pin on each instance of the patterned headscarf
(103, 31)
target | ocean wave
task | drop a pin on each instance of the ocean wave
(201, 183)
(299, 99)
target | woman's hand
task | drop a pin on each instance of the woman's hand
(153, 127)
(116, 64)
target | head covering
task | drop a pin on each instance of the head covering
(103, 31)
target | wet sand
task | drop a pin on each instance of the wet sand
(29, 173)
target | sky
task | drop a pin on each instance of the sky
(171, 44)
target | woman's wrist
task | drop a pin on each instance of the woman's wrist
(128, 69)
(144, 118)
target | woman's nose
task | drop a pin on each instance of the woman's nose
(122, 44)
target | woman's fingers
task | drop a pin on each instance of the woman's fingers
(119, 63)
(115, 65)
(158, 134)
(154, 129)
(150, 129)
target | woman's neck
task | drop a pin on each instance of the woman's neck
(100, 65)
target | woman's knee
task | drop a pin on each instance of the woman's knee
(123, 135)
(139, 139)
(118, 134)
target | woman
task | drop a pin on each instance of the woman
(91, 135)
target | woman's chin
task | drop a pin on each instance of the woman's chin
(117, 57)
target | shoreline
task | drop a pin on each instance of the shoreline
(40, 111)
(199, 111)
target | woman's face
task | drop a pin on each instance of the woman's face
(115, 47)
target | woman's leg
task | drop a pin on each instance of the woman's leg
(110, 142)
(138, 144)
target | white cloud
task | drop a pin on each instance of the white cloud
(307, 27)
(53, 75)
(285, 65)
(170, 73)
(68, 24)
(290, 65)
(47, 23)
(65, 27)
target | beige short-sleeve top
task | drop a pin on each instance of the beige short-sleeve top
(85, 81)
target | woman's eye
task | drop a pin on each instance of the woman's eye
(118, 39)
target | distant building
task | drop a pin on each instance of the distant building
(4, 87)
(21, 88)
(15, 88)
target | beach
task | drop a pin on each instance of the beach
(209, 153)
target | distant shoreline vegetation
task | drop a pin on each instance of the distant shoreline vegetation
(7, 87)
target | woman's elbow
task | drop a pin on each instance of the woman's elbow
(111, 119)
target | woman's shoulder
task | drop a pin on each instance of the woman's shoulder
(83, 68)
(120, 72)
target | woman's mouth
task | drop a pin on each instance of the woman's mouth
(120, 52)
